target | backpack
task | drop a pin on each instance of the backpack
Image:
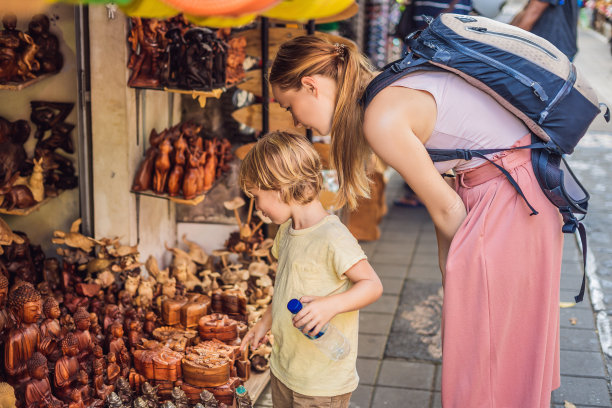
(529, 77)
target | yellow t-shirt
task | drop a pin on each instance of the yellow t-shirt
(312, 261)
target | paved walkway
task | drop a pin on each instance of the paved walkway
(405, 259)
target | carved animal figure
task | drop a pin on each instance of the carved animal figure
(35, 181)
(190, 182)
(162, 166)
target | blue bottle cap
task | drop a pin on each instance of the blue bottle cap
(294, 306)
(241, 390)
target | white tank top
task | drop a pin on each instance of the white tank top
(468, 118)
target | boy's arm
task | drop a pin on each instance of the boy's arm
(317, 311)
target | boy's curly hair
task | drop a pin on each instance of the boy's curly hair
(283, 162)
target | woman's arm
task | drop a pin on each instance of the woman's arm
(397, 124)
(317, 311)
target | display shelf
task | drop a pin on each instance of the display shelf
(256, 384)
(194, 201)
(29, 210)
(18, 86)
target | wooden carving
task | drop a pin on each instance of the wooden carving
(218, 326)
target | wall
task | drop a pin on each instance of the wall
(122, 119)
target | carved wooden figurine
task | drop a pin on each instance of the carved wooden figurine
(116, 342)
(144, 175)
(145, 53)
(4, 313)
(50, 327)
(48, 53)
(149, 394)
(38, 389)
(176, 175)
(192, 174)
(113, 370)
(67, 368)
(24, 339)
(7, 396)
(162, 166)
(124, 391)
(102, 389)
(86, 343)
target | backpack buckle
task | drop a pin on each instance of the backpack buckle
(570, 222)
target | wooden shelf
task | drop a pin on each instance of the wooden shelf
(18, 86)
(256, 384)
(194, 201)
(29, 210)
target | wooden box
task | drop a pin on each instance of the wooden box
(193, 310)
(171, 310)
(218, 326)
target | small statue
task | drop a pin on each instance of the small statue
(116, 343)
(96, 329)
(208, 399)
(150, 322)
(24, 338)
(140, 402)
(192, 176)
(82, 322)
(145, 43)
(50, 327)
(67, 368)
(144, 174)
(124, 391)
(10, 43)
(179, 398)
(149, 394)
(198, 59)
(176, 174)
(87, 393)
(113, 401)
(113, 370)
(51, 273)
(169, 404)
(73, 238)
(243, 400)
(48, 53)
(172, 70)
(7, 396)
(102, 389)
(5, 319)
(162, 166)
(135, 333)
(145, 292)
(210, 167)
(38, 390)
(76, 399)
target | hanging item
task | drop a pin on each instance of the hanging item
(221, 8)
(307, 10)
(175, 54)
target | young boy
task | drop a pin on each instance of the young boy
(319, 262)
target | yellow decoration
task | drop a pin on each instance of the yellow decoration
(201, 96)
(299, 10)
(149, 9)
(221, 21)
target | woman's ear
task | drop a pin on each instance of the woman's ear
(310, 84)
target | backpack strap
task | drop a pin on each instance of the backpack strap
(393, 72)
(570, 225)
(467, 154)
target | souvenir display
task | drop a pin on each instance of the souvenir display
(25, 182)
(174, 53)
(180, 162)
(24, 56)
(81, 339)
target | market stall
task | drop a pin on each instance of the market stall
(130, 264)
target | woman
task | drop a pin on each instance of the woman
(500, 266)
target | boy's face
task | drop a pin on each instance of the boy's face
(271, 205)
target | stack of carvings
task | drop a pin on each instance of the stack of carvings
(27, 55)
(24, 181)
(90, 329)
(180, 162)
(175, 54)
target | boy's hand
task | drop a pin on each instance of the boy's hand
(255, 337)
(316, 312)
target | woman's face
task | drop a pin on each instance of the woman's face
(313, 105)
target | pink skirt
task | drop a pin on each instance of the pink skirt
(500, 321)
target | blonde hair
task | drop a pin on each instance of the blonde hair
(283, 162)
(311, 55)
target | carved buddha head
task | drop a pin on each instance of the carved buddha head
(3, 289)
(39, 24)
(70, 345)
(25, 304)
(9, 21)
(117, 329)
(81, 319)
(7, 396)
(37, 366)
(51, 308)
(82, 377)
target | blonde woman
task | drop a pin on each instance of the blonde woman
(500, 266)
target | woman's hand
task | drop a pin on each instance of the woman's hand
(316, 313)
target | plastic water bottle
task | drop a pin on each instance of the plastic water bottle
(329, 340)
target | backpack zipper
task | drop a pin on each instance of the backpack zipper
(565, 89)
(537, 88)
(484, 30)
